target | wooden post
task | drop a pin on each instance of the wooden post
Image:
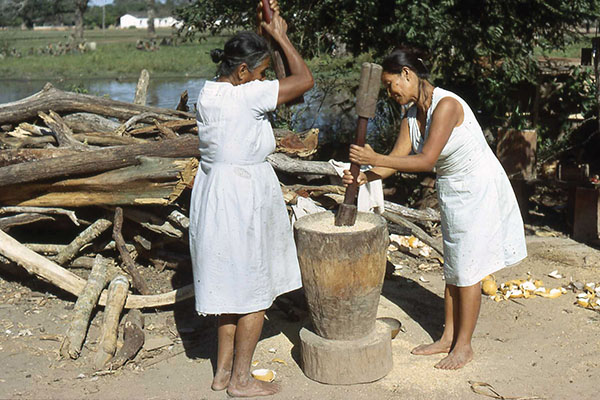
(366, 101)
(142, 88)
(117, 294)
(73, 341)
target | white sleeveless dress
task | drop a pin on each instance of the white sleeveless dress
(241, 240)
(482, 226)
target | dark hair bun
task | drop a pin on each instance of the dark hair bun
(217, 55)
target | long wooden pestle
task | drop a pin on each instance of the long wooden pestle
(366, 101)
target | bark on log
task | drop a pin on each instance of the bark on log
(91, 139)
(138, 282)
(436, 244)
(153, 223)
(158, 181)
(22, 219)
(85, 237)
(117, 294)
(86, 122)
(60, 101)
(49, 271)
(97, 161)
(141, 89)
(97, 280)
(64, 135)
(147, 117)
(165, 131)
(133, 339)
(18, 156)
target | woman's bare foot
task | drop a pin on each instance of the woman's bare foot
(457, 358)
(221, 380)
(252, 388)
(432, 348)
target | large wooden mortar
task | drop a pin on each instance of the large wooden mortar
(342, 272)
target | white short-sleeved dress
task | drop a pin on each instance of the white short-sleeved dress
(482, 226)
(241, 240)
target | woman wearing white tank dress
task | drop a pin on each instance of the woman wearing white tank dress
(241, 241)
(482, 227)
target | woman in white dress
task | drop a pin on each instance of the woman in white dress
(241, 241)
(482, 227)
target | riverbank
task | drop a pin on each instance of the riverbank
(115, 56)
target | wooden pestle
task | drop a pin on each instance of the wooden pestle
(366, 100)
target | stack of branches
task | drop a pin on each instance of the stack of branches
(106, 185)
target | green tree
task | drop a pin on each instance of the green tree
(483, 49)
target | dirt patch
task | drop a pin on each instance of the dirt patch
(527, 347)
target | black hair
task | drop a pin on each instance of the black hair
(406, 57)
(244, 47)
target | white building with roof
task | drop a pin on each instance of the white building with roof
(140, 21)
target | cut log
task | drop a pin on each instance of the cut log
(97, 280)
(138, 282)
(41, 210)
(86, 122)
(63, 133)
(428, 214)
(142, 88)
(60, 101)
(22, 219)
(47, 270)
(283, 163)
(97, 161)
(158, 181)
(133, 339)
(117, 294)
(85, 237)
(419, 233)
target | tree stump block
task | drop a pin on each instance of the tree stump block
(346, 362)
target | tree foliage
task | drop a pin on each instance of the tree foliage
(483, 49)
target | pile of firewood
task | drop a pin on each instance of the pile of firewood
(108, 185)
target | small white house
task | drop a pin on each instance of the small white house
(141, 22)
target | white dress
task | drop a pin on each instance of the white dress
(241, 240)
(482, 226)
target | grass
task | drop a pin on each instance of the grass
(116, 56)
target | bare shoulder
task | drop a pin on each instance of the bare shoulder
(449, 109)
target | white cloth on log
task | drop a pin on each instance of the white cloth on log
(482, 226)
(241, 241)
(370, 195)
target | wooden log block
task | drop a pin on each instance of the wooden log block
(346, 362)
(97, 161)
(47, 270)
(18, 156)
(141, 89)
(283, 163)
(133, 339)
(165, 131)
(117, 294)
(183, 100)
(85, 237)
(86, 122)
(138, 282)
(60, 101)
(158, 181)
(342, 272)
(97, 280)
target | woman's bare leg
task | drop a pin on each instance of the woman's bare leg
(226, 337)
(242, 384)
(469, 302)
(444, 344)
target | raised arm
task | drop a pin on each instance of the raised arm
(300, 79)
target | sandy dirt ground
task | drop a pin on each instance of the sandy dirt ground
(524, 348)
